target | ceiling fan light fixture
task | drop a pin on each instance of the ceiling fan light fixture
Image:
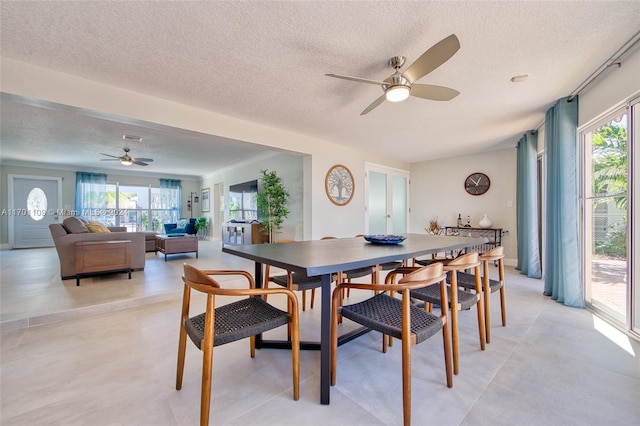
(397, 93)
(126, 162)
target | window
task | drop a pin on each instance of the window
(141, 208)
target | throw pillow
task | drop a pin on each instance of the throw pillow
(97, 227)
(182, 223)
(73, 225)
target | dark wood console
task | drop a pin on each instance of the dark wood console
(243, 233)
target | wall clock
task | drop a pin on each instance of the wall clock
(477, 183)
(339, 185)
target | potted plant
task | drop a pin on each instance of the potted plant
(201, 225)
(272, 203)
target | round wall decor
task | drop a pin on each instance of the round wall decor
(477, 183)
(339, 185)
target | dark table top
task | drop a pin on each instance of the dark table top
(320, 257)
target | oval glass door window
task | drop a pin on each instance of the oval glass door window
(37, 204)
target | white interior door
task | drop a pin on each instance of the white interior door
(387, 195)
(34, 203)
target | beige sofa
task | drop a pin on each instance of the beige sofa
(65, 242)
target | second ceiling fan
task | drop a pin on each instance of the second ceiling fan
(400, 85)
(127, 160)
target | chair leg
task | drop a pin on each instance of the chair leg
(487, 300)
(334, 337)
(295, 351)
(480, 310)
(205, 397)
(304, 300)
(447, 352)
(406, 359)
(182, 347)
(313, 296)
(503, 306)
(252, 346)
(182, 341)
(454, 325)
(503, 300)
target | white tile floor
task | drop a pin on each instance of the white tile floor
(104, 353)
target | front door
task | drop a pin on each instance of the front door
(34, 203)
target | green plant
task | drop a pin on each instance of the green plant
(272, 203)
(201, 225)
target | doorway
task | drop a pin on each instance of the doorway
(387, 196)
(34, 204)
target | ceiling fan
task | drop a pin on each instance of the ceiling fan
(126, 160)
(400, 85)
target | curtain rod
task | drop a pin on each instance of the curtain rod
(614, 60)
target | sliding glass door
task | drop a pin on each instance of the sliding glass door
(605, 216)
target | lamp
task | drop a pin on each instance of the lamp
(193, 198)
(126, 162)
(397, 93)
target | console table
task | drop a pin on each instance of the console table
(93, 257)
(243, 233)
(494, 235)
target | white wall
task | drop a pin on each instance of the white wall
(437, 190)
(615, 87)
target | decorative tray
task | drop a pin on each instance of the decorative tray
(384, 239)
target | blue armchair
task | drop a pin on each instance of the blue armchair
(184, 226)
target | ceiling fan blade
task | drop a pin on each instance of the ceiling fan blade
(358, 79)
(434, 93)
(109, 159)
(139, 163)
(112, 156)
(375, 103)
(148, 160)
(437, 55)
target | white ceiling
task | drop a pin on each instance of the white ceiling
(265, 62)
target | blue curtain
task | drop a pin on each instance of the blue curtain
(91, 189)
(562, 257)
(170, 194)
(527, 207)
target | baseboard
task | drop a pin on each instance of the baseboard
(511, 262)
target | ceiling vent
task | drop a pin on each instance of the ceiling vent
(132, 138)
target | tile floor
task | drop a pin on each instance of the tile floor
(104, 353)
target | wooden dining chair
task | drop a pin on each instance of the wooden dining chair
(398, 318)
(468, 281)
(227, 323)
(458, 298)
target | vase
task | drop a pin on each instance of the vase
(485, 222)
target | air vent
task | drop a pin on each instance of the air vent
(132, 138)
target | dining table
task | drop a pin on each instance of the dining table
(325, 258)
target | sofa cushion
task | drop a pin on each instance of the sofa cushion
(182, 223)
(73, 225)
(97, 227)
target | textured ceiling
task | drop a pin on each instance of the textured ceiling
(265, 62)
